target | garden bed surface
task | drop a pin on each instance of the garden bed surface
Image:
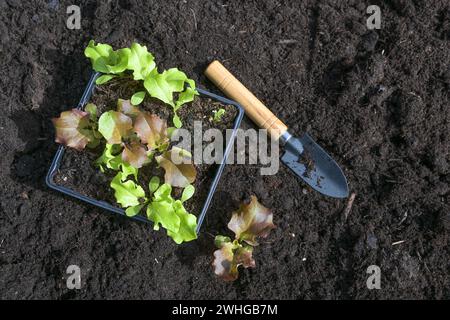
(377, 101)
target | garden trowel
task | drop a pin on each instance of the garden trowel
(302, 155)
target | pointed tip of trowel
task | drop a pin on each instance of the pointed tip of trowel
(324, 175)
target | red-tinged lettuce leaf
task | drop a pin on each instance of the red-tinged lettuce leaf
(223, 263)
(252, 220)
(73, 129)
(135, 154)
(179, 170)
(127, 108)
(114, 126)
(229, 257)
(152, 130)
(243, 256)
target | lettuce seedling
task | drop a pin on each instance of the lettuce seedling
(117, 129)
(107, 61)
(171, 214)
(127, 192)
(230, 256)
(218, 115)
(250, 221)
(141, 63)
(163, 86)
(77, 129)
(111, 158)
(163, 210)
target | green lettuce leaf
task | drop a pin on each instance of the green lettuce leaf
(133, 211)
(153, 185)
(188, 192)
(177, 121)
(118, 61)
(188, 225)
(105, 60)
(218, 115)
(140, 61)
(98, 54)
(187, 95)
(138, 97)
(92, 110)
(175, 78)
(170, 213)
(128, 170)
(109, 158)
(162, 212)
(163, 85)
(127, 193)
(104, 79)
(157, 86)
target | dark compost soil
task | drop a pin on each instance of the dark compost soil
(378, 101)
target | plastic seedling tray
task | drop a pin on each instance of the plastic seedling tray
(112, 209)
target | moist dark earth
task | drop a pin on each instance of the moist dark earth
(376, 100)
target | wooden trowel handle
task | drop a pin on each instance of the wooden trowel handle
(254, 108)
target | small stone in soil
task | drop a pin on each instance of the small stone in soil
(372, 241)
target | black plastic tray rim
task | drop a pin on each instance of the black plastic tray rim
(54, 167)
